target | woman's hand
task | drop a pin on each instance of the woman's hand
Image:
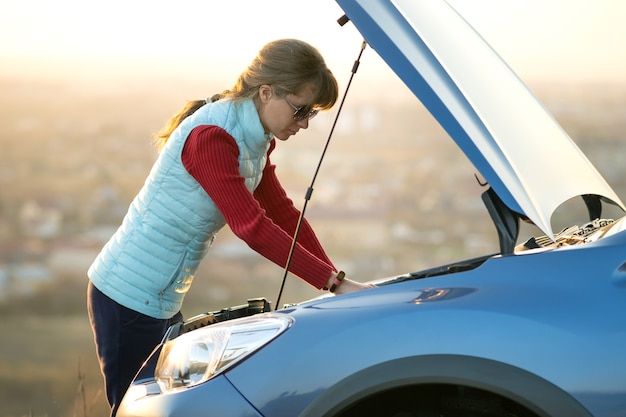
(347, 285)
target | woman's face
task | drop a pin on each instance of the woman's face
(277, 113)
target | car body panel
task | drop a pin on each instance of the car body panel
(222, 399)
(505, 132)
(534, 393)
(522, 319)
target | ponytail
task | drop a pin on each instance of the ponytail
(160, 138)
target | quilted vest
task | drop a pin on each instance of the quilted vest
(150, 262)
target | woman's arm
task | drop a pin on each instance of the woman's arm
(280, 208)
(211, 155)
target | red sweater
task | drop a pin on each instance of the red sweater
(266, 219)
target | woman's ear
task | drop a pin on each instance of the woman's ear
(265, 93)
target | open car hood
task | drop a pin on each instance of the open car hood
(511, 139)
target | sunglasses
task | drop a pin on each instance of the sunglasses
(302, 112)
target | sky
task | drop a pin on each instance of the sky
(540, 39)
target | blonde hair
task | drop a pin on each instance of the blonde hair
(287, 65)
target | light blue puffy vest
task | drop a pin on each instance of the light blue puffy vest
(149, 264)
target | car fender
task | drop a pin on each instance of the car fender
(531, 391)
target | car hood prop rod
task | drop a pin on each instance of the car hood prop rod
(309, 191)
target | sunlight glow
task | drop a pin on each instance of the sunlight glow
(540, 39)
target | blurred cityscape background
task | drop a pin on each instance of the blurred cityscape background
(394, 194)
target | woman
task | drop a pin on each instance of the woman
(213, 169)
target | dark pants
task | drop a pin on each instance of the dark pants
(124, 339)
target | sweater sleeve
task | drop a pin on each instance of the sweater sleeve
(211, 156)
(272, 197)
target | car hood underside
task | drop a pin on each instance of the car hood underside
(512, 140)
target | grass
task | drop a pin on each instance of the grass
(48, 368)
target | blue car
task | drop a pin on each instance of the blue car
(535, 330)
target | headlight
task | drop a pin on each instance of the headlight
(197, 356)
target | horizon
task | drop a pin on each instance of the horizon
(566, 40)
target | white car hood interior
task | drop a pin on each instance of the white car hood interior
(511, 139)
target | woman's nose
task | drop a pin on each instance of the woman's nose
(304, 123)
